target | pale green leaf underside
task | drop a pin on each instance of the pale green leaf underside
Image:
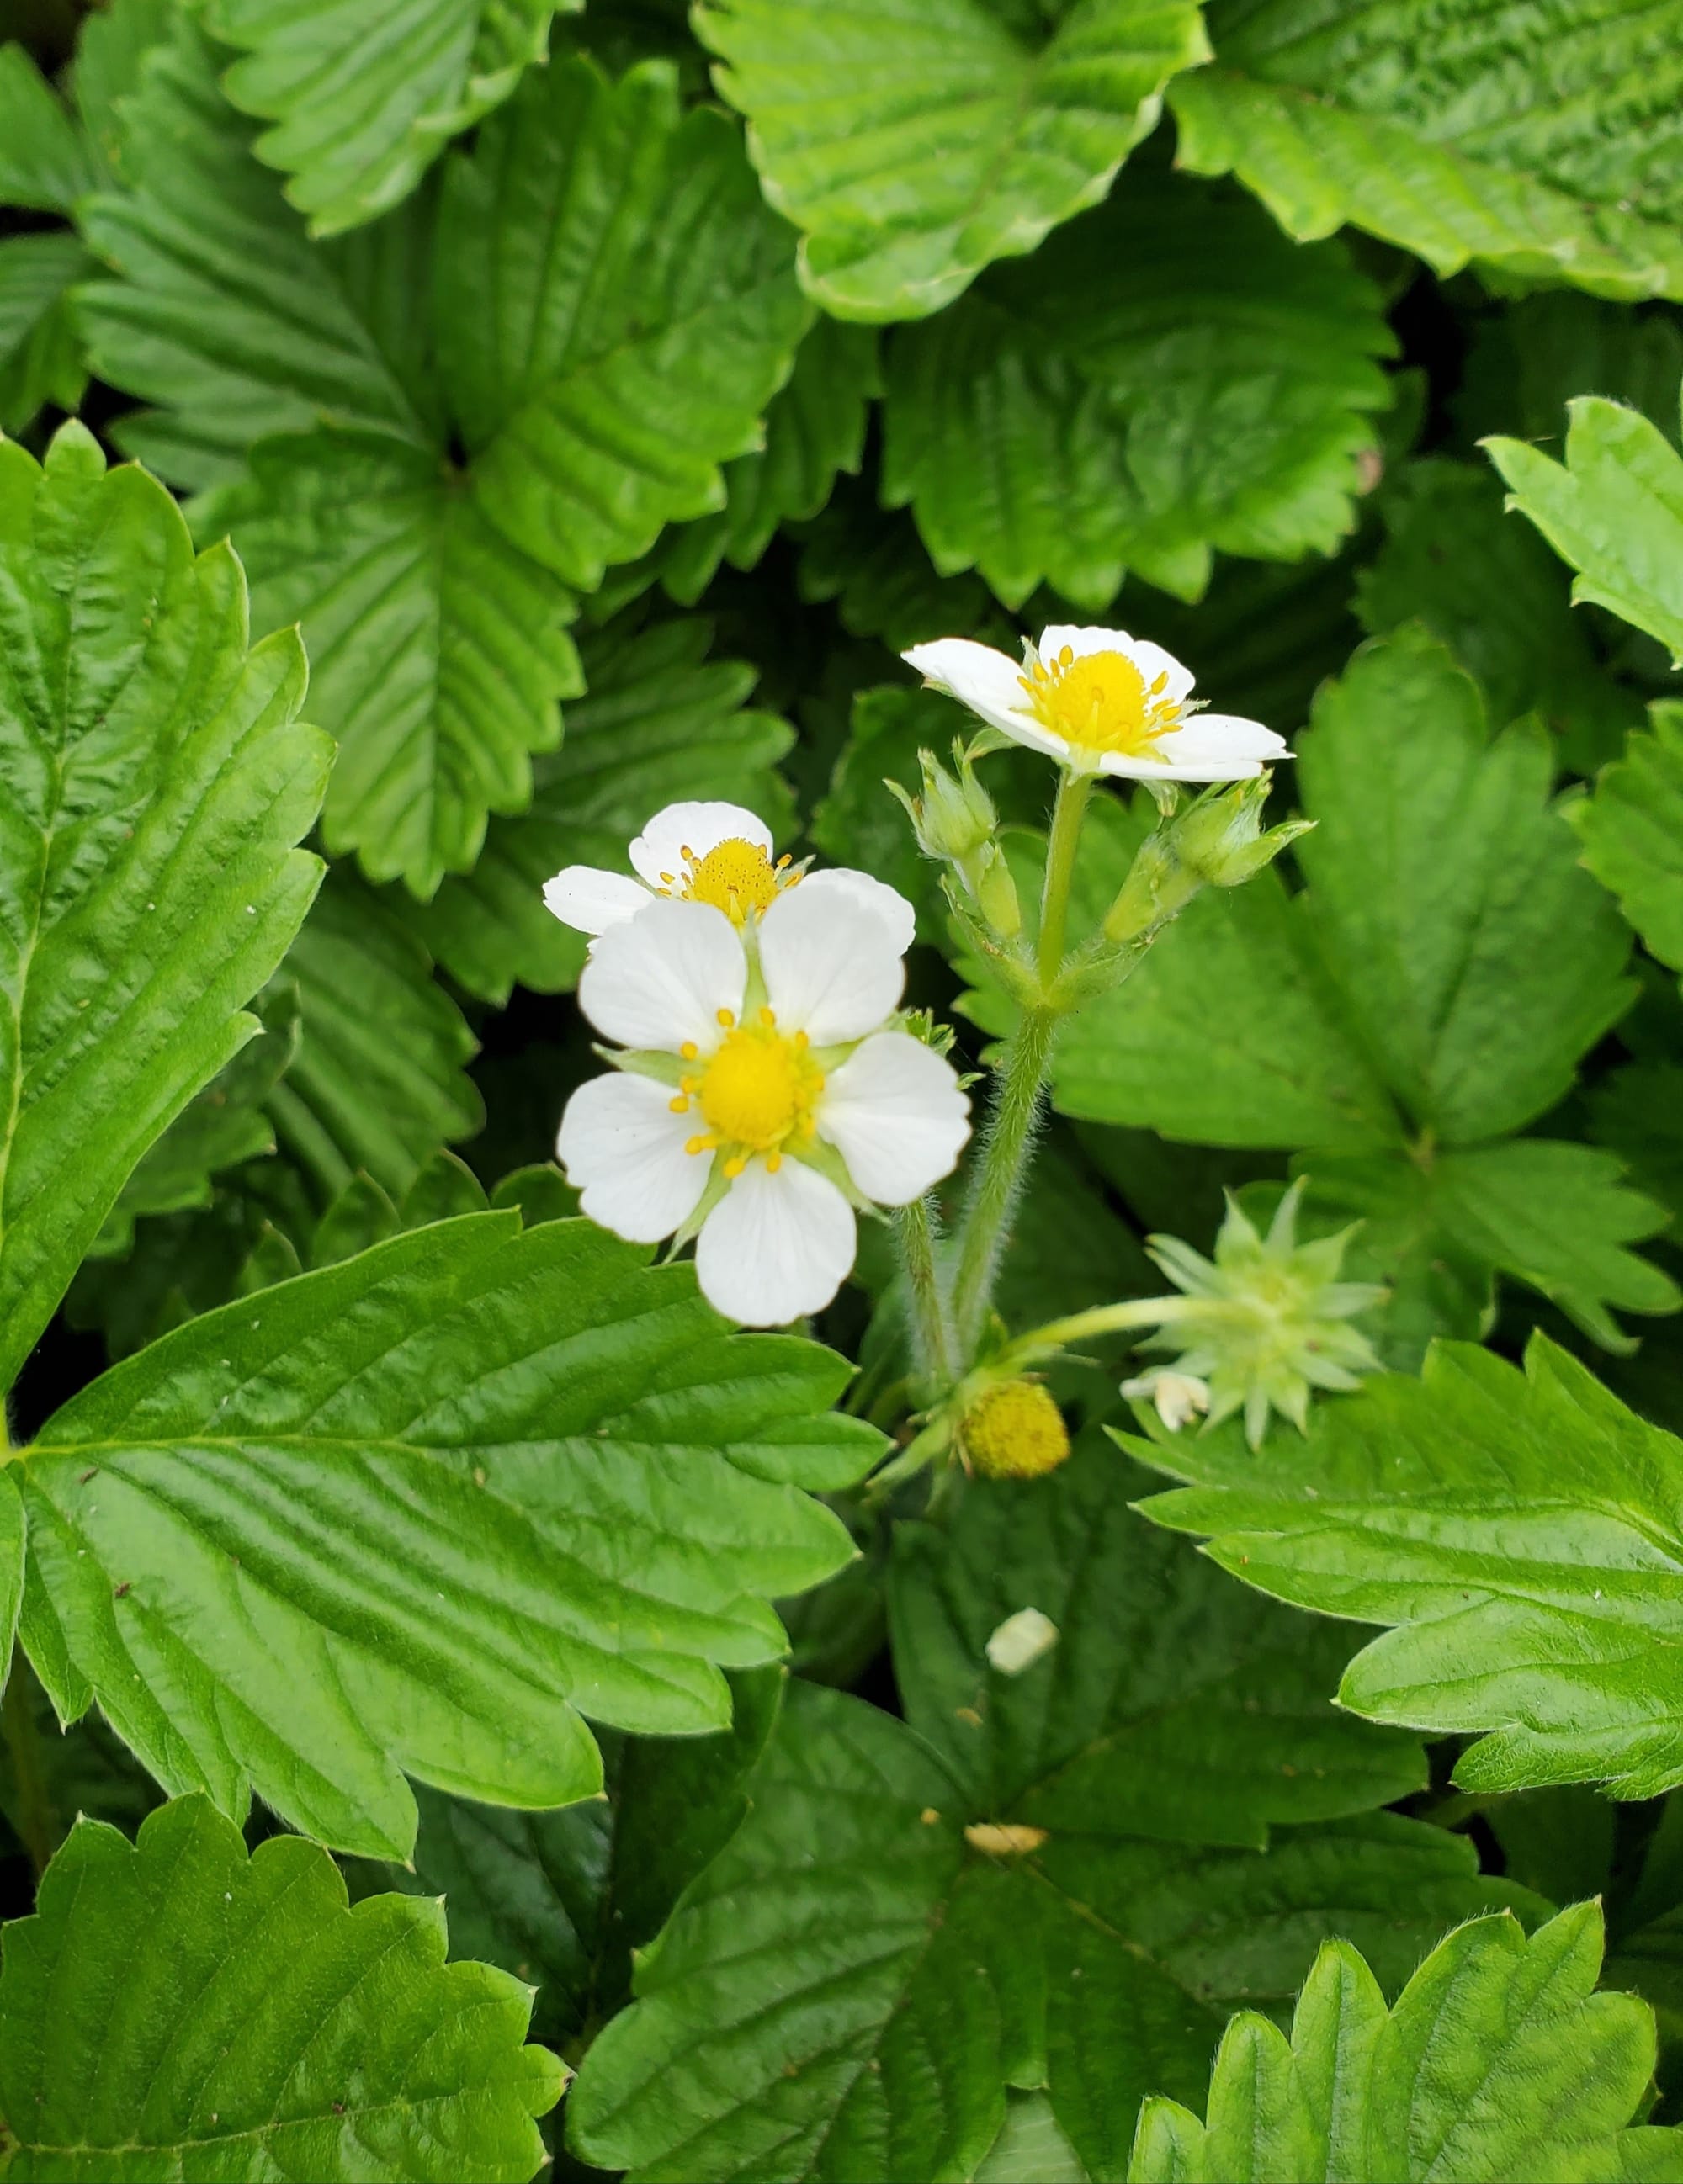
(851, 1986)
(416, 1513)
(437, 650)
(662, 722)
(153, 779)
(1498, 2060)
(1167, 377)
(1542, 138)
(1631, 830)
(1613, 510)
(913, 142)
(1519, 1531)
(175, 2008)
(366, 94)
(379, 1082)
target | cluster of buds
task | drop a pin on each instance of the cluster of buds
(956, 824)
(1219, 841)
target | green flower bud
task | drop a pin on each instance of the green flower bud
(1219, 841)
(954, 817)
(1264, 1323)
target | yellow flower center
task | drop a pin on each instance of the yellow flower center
(736, 876)
(1101, 702)
(757, 1091)
(1015, 1431)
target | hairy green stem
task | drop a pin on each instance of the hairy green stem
(931, 1337)
(1073, 791)
(28, 1772)
(998, 1182)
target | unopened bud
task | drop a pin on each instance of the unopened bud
(955, 815)
(1219, 841)
(1014, 1430)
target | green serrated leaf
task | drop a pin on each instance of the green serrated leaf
(1498, 2059)
(406, 1515)
(41, 359)
(437, 649)
(155, 779)
(1613, 510)
(599, 398)
(44, 163)
(1631, 830)
(1537, 139)
(662, 721)
(222, 310)
(1168, 377)
(913, 145)
(1491, 591)
(1519, 1531)
(174, 2006)
(863, 2011)
(379, 1082)
(565, 1899)
(367, 95)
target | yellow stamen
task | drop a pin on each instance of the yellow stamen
(689, 1051)
(1102, 703)
(759, 1092)
(680, 1105)
(736, 876)
(727, 1018)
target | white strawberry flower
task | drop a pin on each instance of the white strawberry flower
(1100, 701)
(708, 852)
(766, 1094)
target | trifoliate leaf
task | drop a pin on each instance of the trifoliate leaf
(912, 148)
(1613, 510)
(378, 1082)
(437, 649)
(563, 1898)
(1489, 590)
(176, 2007)
(1631, 830)
(615, 309)
(366, 96)
(1537, 140)
(44, 163)
(662, 722)
(1498, 2059)
(1167, 377)
(41, 359)
(155, 781)
(223, 311)
(418, 1513)
(815, 430)
(1520, 1530)
(1000, 1900)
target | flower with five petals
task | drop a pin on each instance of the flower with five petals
(1100, 701)
(767, 1091)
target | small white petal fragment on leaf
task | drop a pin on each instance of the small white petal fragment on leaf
(1020, 1641)
(1179, 1396)
(1100, 701)
(769, 1117)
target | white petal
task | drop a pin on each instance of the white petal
(622, 1147)
(832, 964)
(659, 850)
(888, 904)
(894, 1113)
(775, 1246)
(662, 977)
(1149, 659)
(989, 682)
(1211, 747)
(590, 900)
